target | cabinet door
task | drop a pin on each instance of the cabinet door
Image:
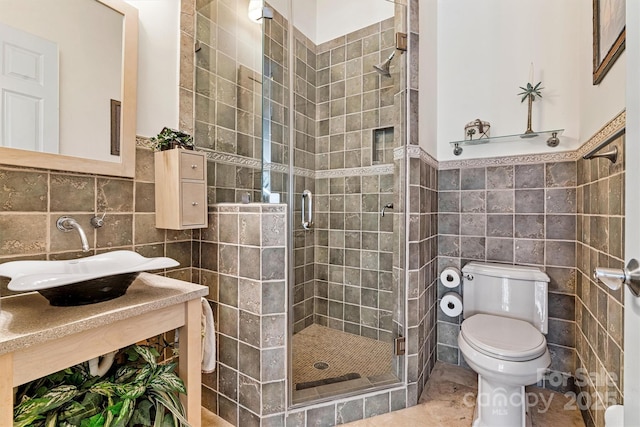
(194, 203)
(191, 165)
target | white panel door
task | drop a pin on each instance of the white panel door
(28, 91)
(632, 216)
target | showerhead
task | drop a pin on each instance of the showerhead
(383, 69)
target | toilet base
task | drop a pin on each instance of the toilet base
(500, 405)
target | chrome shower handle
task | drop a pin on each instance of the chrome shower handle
(387, 206)
(306, 224)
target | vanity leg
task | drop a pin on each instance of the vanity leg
(6, 389)
(190, 361)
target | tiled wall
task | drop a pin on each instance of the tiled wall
(228, 99)
(32, 200)
(599, 310)
(353, 254)
(304, 156)
(241, 257)
(516, 214)
(422, 305)
(422, 233)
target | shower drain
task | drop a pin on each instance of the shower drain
(321, 365)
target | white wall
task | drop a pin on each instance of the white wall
(305, 18)
(340, 17)
(601, 103)
(484, 53)
(158, 65)
(324, 20)
(428, 126)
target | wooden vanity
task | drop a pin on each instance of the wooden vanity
(37, 339)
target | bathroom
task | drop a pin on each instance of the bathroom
(516, 203)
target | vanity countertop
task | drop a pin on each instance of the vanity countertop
(28, 319)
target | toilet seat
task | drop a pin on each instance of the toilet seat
(503, 338)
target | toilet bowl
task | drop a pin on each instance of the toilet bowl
(502, 338)
(507, 354)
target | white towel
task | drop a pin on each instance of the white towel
(208, 338)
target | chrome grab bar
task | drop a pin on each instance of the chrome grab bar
(306, 194)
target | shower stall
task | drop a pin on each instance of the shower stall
(320, 107)
(333, 104)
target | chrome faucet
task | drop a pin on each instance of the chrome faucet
(66, 224)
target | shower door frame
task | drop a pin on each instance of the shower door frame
(400, 227)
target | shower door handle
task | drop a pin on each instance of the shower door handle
(306, 224)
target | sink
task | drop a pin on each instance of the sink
(81, 281)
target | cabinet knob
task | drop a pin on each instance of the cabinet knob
(194, 166)
(194, 203)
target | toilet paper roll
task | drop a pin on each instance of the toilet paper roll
(451, 304)
(450, 277)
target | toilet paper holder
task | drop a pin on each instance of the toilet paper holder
(613, 278)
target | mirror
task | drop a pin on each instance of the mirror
(87, 52)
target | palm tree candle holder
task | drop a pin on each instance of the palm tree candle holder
(529, 93)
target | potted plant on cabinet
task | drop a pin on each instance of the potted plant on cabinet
(169, 139)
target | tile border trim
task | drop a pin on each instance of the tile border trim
(416, 152)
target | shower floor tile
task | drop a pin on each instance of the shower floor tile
(344, 353)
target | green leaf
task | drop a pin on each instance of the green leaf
(130, 391)
(56, 397)
(52, 420)
(78, 412)
(95, 421)
(126, 412)
(168, 381)
(109, 416)
(142, 413)
(126, 372)
(172, 403)
(26, 419)
(147, 354)
(159, 418)
(104, 388)
(116, 408)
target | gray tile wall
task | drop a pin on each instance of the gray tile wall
(354, 244)
(599, 310)
(422, 305)
(228, 97)
(517, 214)
(241, 257)
(354, 255)
(31, 200)
(304, 150)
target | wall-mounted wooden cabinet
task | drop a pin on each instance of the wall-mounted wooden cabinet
(181, 189)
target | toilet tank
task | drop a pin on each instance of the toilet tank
(506, 290)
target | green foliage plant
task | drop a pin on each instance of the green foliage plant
(138, 392)
(170, 138)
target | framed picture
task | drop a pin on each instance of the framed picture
(608, 35)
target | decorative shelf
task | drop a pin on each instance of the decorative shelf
(551, 137)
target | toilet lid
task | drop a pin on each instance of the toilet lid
(503, 337)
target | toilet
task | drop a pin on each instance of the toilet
(502, 338)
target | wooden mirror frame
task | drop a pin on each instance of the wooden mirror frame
(126, 166)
